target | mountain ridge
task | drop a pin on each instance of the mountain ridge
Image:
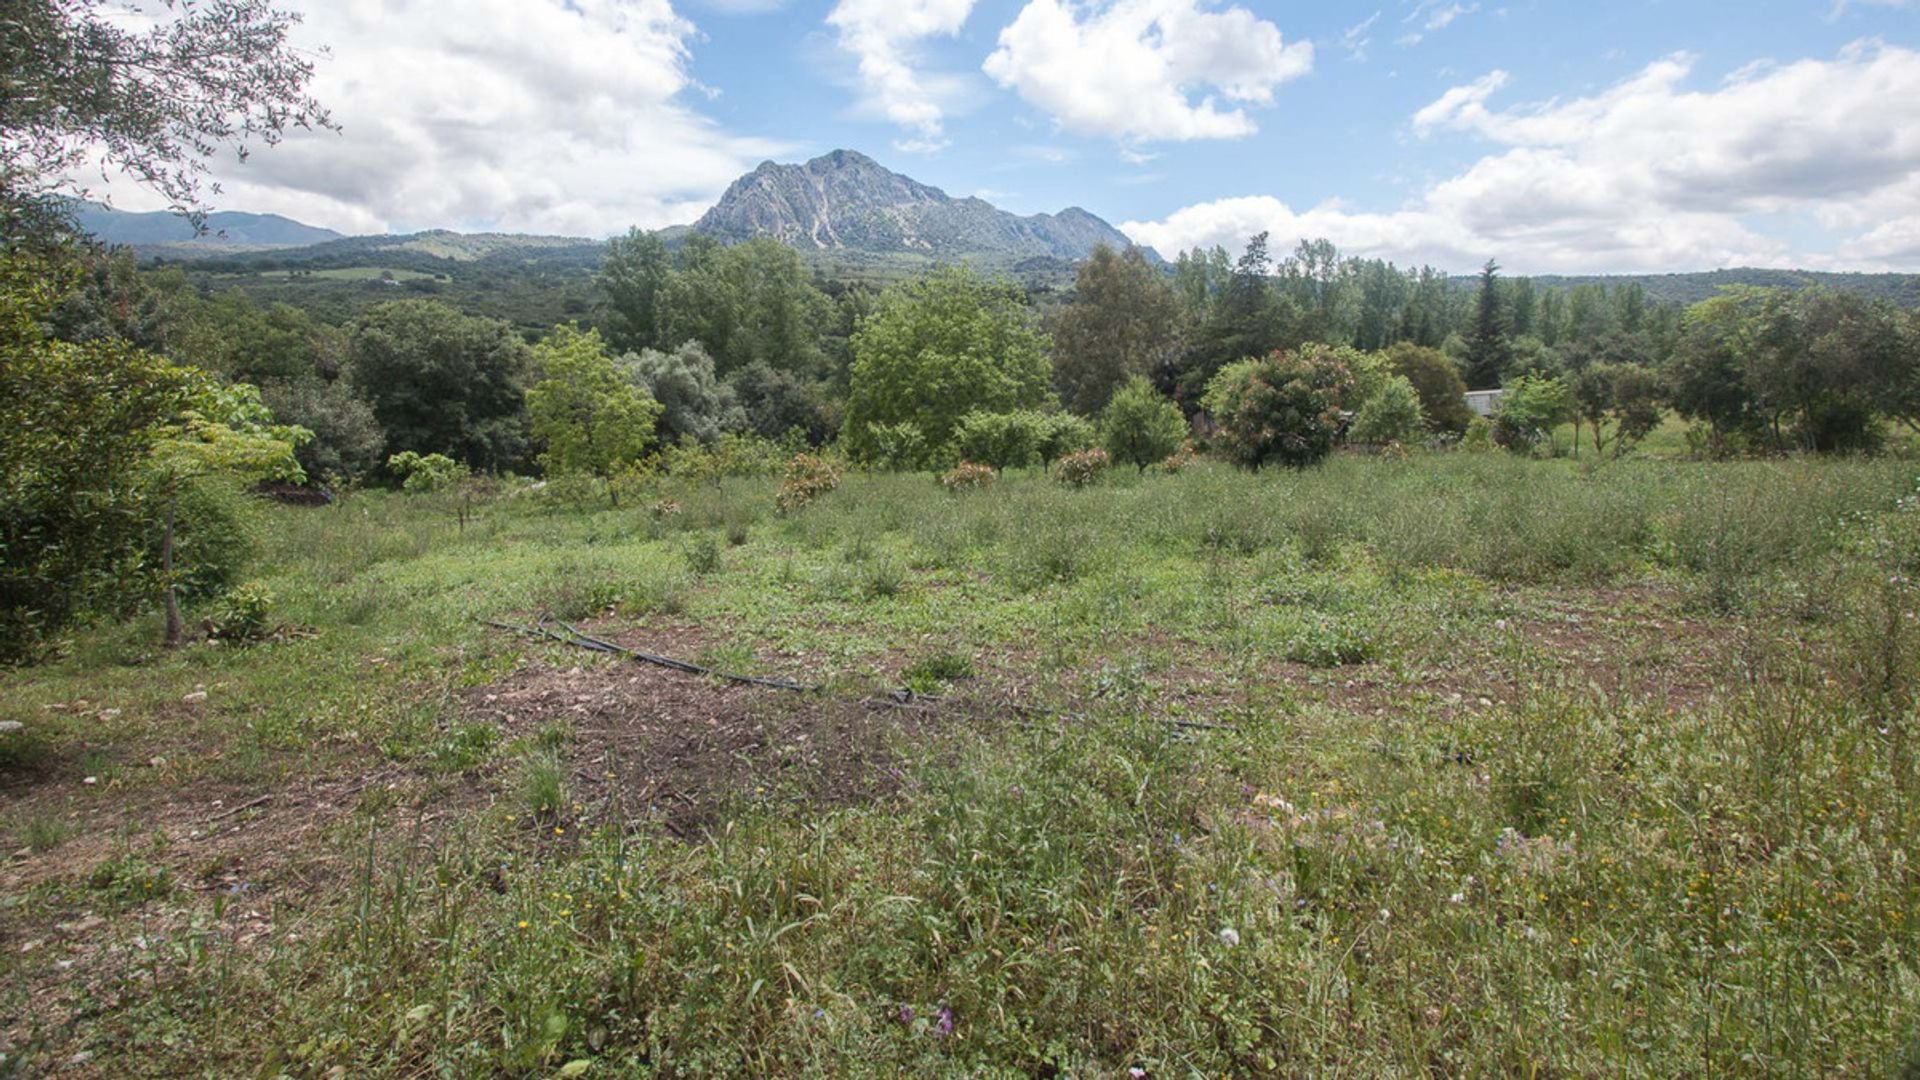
(227, 230)
(845, 201)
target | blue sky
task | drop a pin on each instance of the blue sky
(1650, 135)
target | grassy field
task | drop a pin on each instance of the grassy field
(1457, 765)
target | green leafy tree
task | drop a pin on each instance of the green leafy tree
(692, 400)
(1489, 338)
(1140, 426)
(1281, 409)
(746, 303)
(633, 276)
(1639, 396)
(1390, 414)
(152, 99)
(443, 382)
(1443, 394)
(1707, 373)
(941, 347)
(80, 421)
(1124, 320)
(591, 419)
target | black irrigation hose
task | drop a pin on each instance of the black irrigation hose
(893, 699)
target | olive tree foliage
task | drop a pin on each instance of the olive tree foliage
(939, 348)
(694, 403)
(443, 382)
(1124, 320)
(1281, 409)
(155, 101)
(1140, 427)
(776, 402)
(591, 419)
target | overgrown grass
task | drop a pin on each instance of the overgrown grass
(1380, 769)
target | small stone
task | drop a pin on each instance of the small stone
(156, 761)
(91, 780)
(83, 925)
(8, 727)
(195, 698)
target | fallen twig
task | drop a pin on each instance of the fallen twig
(248, 805)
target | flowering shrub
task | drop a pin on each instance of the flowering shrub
(1083, 468)
(967, 476)
(808, 477)
(1181, 458)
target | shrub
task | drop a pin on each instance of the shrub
(967, 476)
(808, 477)
(241, 613)
(1529, 411)
(1390, 415)
(1062, 434)
(1443, 393)
(898, 447)
(1140, 426)
(703, 554)
(1180, 459)
(1003, 440)
(1282, 409)
(1479, 435)
(1084, 468)
(422, 474)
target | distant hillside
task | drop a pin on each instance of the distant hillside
(1901, 289)
(227, 230)
(846, 204)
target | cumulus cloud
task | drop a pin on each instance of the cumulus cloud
(883, 36)
(1130, 70)
(1648, 174)
(560, 116)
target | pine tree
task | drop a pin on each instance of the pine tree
(1489, 339)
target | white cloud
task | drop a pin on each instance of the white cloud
(1358, 36)
(561, 116)
(1646, 175)
(1130, 70)
(883, 36)
(1431, 16)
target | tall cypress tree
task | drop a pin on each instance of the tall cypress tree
(1489, 339)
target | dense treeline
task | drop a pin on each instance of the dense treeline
(715, 350)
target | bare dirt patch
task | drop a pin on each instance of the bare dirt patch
(646, 742)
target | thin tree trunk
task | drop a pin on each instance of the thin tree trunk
(176, 626)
